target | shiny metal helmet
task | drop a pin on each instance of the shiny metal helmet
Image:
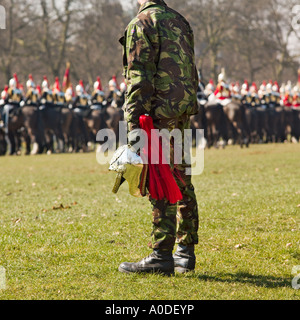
(129, 166)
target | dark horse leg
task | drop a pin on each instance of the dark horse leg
(12, 141)
(3, 143)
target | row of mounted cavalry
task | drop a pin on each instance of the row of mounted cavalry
(247, 120)
(56, 126)
(63, 127)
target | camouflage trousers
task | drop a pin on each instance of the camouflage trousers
(175, 223)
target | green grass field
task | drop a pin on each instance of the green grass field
(63, 233)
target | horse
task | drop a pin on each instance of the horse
(296, 124)
(215, 124)
(78, 136)
(51, 117)
(237, 124)
(96, 120)
(115, 115)
(3, 143)
(34, 128)
(276, 124)
(199, 121)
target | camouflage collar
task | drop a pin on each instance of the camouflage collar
(151, 3)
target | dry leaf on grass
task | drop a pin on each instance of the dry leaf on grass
(61, 207)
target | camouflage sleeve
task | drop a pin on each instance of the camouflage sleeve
(141, 68)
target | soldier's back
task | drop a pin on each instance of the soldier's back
(171, 47)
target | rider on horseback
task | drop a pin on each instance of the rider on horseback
(210, 88)
(3, 102)
(275, 96)
(114, 95)
(32, 96)
(296, 99)
(14, 93)
(98, 94)
(69, 94)
(296, 90)
(287, 100)
(254, 94)
(4, 96)
(11, 98)
(58, 96)
(222, 93)
(47, 94)
(82, 99)
(263, 95)
(235, 92)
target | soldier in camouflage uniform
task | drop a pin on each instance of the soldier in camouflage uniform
(162, 81)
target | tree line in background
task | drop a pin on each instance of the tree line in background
(252, 39)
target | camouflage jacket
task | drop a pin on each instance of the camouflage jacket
(159, 64)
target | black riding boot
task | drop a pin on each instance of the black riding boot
(184, 258)
(158, 261)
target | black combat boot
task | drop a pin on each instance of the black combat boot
(158, 261)
(184, 258)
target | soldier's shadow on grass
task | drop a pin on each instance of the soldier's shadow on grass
(247, 278)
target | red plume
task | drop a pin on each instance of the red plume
(161, 184)
(57, 85)
(17, 80)
(99, 84)
(81, 84)
(38, 88)
(46, 79)
(114, 78)
(66, 79)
